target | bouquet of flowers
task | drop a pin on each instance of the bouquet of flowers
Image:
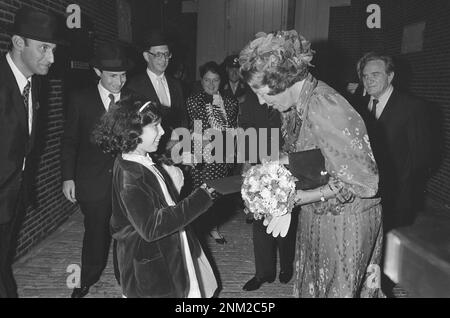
(268, 190)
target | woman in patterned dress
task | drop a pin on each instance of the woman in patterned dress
(340, 233)
(212, 110)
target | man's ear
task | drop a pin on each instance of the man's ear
(18, 42)
(98, 72)
(391, 77)
(146, 56)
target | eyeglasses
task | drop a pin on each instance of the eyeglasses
(160, 55)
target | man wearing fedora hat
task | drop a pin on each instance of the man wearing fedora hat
(234, 86)
(33, 41)
(157, 86)
(86, 170)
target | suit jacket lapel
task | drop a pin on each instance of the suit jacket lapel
(390, 105)
(16, 95)
(99, 107)
(171, 85)
(148, 87)
(35, 104)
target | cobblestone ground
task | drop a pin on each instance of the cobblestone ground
(43, 271)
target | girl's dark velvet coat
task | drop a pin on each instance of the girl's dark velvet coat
(149, 247)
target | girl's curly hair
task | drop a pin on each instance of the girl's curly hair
(120, 127)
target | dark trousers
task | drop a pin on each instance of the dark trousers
(265, 249)
(8, 242)
(96, 241)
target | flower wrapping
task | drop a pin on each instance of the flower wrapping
(268, 190)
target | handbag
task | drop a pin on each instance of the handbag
(309, 168)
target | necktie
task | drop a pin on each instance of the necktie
(374, 108)
(26, 98)
(111, 101)
(26, 95)
(163, 99)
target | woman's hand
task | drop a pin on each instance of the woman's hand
(300, 197)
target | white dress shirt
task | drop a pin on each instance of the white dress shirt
(104, 95)
(382, 101)
(154, 79)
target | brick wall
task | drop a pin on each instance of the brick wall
(52, 208)
(425, 74)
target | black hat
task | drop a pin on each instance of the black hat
(111, 57)
(36, 25)
(232, 61)
(155, 38)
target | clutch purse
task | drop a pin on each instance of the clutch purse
(309, 168)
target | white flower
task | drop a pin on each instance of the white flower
(265, 193)
(268, 190)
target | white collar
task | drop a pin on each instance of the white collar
(104, 94)
(138, 158)
(382, 100)
(20, 78)
(155, 77)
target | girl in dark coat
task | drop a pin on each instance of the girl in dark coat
(158, 255)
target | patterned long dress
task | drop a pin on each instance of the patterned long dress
(339, 243)
(202, 107)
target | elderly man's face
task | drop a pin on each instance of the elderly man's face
(375, 79)
(37, 56)
(157, 58)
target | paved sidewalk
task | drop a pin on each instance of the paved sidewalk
(43, 272)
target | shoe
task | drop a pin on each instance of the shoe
(285, 277)
(255, 283)
(80, 292)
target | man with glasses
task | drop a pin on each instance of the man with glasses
(157, 86)
(33, 41)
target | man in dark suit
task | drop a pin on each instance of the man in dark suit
(32, 44)
(86, 170)
(157, 86)
(254, 115)
(233, 85)
(400, 134)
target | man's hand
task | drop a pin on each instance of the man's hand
(68, 188)
(278, 225)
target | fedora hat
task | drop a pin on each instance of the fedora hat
(36, 25)
(232, 61)
(155, 38)
(111, 57)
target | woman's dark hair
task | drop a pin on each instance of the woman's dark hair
(120, 127)
(210, 66)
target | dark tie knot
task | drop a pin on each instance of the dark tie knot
(111, 97)
(374, 107)
(26, 89)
